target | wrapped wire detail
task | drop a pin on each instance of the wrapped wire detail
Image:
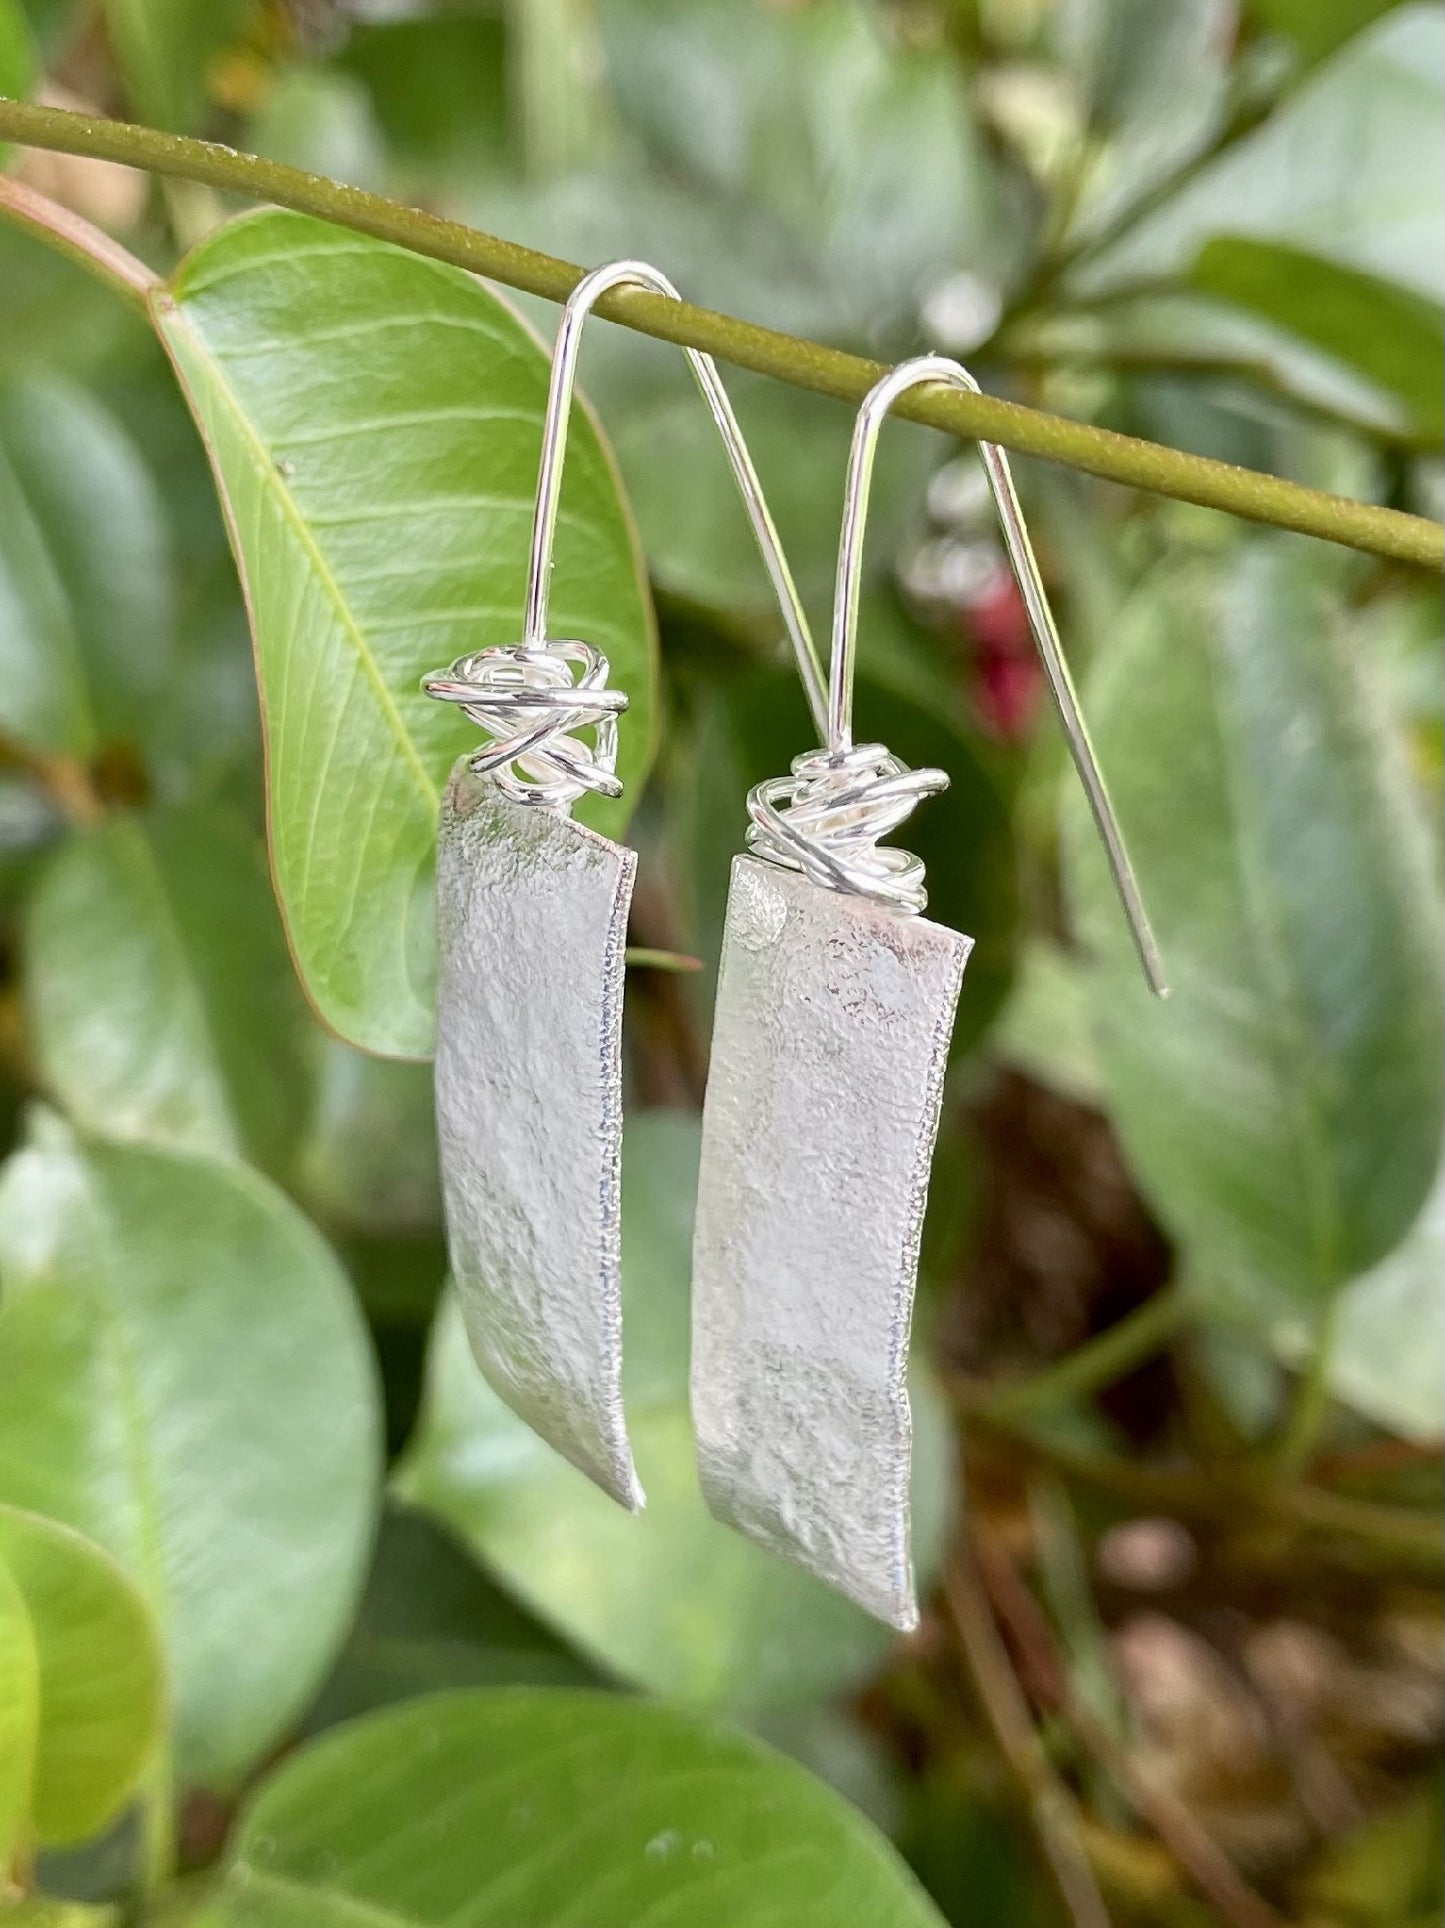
(827, 818)
(526, 698)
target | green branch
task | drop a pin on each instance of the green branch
(804, 364)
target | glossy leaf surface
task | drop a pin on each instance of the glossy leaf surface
(82, 1694)
(184, 1378)
(529, 1808)
(373, 420)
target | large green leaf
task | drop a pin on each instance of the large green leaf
(184, 1378)
(1283, 1108)
(1390, 334)
(72, 1622)
(85, 616)
(1350, 168)
(670, 1599)
(530, 1808)
(373, 421)
(162, 1003)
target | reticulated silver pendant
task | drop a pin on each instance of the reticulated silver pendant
(830, 1040)
(531, 923)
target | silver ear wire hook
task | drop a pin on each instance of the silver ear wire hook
(524, 695)
(838, 737)
(584, 297)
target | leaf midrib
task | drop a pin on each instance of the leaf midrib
(172, 315)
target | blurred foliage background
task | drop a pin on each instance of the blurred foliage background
(1179, 1391)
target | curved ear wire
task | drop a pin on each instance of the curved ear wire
(580, 303)
(838, 732)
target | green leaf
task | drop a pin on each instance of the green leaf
(1384, 1356)
(96, 1697)
(862, 150)
(17, 55)
(85, 616)
(368, 1160)
(1155, 80)
(699, 544)
(161, 1001)
(529, 1808)
(163, 47)
(373, 421)
(671, 1599)
(1317, 27)
(184, 1378)
(1350, 168)
(431, 1619)
(1390, 334)
(1283, 1109)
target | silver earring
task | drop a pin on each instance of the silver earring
(531, 924)
(835, 1007)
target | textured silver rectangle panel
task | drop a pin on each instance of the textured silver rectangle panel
(829, 1046)
(531, 926)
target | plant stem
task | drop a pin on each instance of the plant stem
(1310, 1404)
(1051, 1806)
(804, 364)
(1096, 1364)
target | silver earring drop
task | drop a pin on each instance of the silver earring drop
(835, 1007)
(531, 924)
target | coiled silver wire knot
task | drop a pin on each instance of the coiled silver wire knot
(828, 817)
(528, 701)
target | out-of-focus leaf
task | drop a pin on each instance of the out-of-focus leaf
(368, 1161)
(1154, 80)
(1283, 1108)
(670, 1599)
(560, 1807)
(72, 1621)
(1385, 1873)
(85, 579)
(1317, 27)
(162, 1003)
(1044, 1027)
(39, 1911)
(1350, 168)
(1384, 1357)
(55, 316)
(438, 88)
(163, 48)
(698, 540)
(865, 153)
(321, 120)
(1206, 340)
(373, 419)
(1395, 337)
(184, 1378)
(17, 56)
(431, 1619)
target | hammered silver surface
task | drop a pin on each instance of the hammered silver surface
(829, 1045)
(531, 926)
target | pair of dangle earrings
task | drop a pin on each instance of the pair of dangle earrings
(835, 1006)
